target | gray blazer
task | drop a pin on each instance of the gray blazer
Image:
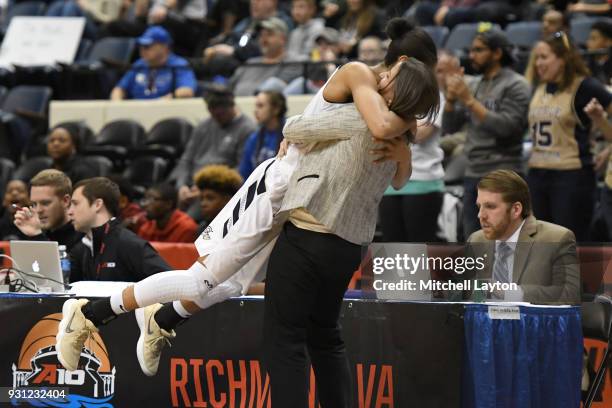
(545, 262)
(337, 182)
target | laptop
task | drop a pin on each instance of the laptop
(39, 258)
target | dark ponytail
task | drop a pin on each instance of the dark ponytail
(406, 39)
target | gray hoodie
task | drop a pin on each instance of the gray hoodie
(496, 142)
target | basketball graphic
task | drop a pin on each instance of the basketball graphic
(92, 384)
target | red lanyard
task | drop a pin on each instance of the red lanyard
(102, 248)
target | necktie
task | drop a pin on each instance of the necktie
(500, 267)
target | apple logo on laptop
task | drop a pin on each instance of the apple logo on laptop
(36, 267)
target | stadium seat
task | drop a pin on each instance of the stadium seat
(524, 34)
(438, 34)
(145, 171)
(31, 167)
(167, 138)
(461, 36)
(116, 140)
(7, 168)
(25, 8)
(111, 50)
(24, 116)
(122, 132)
(581, 28)
(102, 165)
(28, 100)
(98, 70)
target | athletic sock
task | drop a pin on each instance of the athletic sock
(180, 309)
(99, 312)
(116, 302)
(168, 318)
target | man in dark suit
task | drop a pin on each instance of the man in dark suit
(538, 256)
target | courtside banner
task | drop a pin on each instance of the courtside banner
(401, 355)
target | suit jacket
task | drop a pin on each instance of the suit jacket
(545, 262)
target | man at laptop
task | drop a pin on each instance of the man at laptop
(108, 251)
(47, 218)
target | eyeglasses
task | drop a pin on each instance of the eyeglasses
(563, 37)
(478, 49)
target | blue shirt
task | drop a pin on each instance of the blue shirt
(268, 147)
(142, 82)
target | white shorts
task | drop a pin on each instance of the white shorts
(239, 240)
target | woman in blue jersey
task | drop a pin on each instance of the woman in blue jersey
(263, 144)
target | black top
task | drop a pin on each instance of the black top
(64, 235)
(8, 230)
(76, 168)
(118, 255)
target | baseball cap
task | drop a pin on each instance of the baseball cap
(153, 35)
(273, 24)
(496, 39)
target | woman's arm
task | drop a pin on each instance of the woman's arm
(599, 116)
(397, 150)
(357, 80)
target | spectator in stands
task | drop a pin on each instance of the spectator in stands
(302, 37)
(447, 13)
(131, 23)
(108, 252)
(424, 193)
(362, 19)
(518, 248)
(326, 49)
(241, 44)
(247, 79)
(222, 18)
(93, 12)
(600, 40)
(131, 214)
(599, 116)
(183, 19)
(63, 146)
(219, 139)
(263, 144)
(333, 11)
(589, 7)
(552, 21)
(47, 219)
(15, 197)
(159, 73)
(165, 222)
(561, 175)
(371, 50)
(494, 107)
(217, 184)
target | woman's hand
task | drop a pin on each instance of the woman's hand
(396, 150)
(595, 111)
(282, 149)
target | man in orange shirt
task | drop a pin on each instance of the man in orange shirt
(165, 223)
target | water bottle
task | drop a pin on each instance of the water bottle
(65, 263)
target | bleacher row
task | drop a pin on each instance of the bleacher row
(122, 146)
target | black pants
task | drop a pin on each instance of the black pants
(308, 274)
(564, 197)
(411, 218)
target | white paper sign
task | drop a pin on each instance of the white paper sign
(39, 41)
(504, 313)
